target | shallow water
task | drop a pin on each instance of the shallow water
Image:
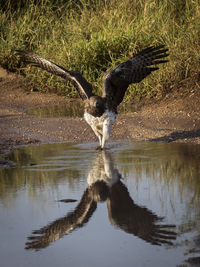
(137, 205)
(70, 109)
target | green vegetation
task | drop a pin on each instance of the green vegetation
(92, 36)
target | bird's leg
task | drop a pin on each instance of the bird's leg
(99, 137)
(100, 140)
(106, 133)
(99, 148)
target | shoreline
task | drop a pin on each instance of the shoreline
(173, 119)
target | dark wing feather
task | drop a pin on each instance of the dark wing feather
(134, 70)
(43, 237)
(82, 86)
(137, 220)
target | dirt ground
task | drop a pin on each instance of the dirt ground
(174, 119)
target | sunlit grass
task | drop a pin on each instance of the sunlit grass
(92, 36)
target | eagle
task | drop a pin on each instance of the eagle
(100, 112)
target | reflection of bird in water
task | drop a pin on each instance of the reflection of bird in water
(44, 236)
(193, 251)
(101, 111)
(105, 185)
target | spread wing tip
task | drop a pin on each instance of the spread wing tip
(28, 57)
(83, 87)
(23, 53)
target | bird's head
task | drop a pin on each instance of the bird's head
(95, 105)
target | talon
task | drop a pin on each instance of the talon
(99, 148)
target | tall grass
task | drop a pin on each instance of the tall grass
(92, 36)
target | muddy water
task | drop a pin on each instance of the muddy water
(132, 205)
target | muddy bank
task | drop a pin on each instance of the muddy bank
(174, 119)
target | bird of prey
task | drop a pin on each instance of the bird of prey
(100, 111)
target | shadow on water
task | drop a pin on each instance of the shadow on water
(130, 198)
(105, 184)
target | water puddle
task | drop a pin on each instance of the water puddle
(74, 109)
(70, 205)
(71, 109)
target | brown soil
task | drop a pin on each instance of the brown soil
(173, 119)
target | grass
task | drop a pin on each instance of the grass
(92, 36)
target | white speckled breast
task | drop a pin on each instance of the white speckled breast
(108, 117)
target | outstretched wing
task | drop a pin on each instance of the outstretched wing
(137, 220)
(43, 237)
(82, 86)
(134, 70)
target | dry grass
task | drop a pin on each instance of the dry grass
(92, 35)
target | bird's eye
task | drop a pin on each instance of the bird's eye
(96, 104)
